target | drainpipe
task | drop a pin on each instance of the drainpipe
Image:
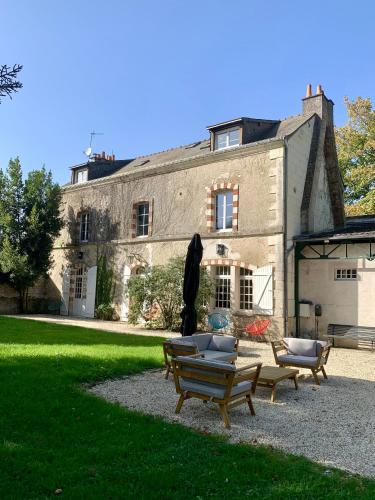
(297, 258)
(285, 237)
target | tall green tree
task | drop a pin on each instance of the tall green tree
(356, 155)
(30, 220)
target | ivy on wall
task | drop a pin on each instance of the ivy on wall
(105, 289)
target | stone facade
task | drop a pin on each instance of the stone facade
(267, 179)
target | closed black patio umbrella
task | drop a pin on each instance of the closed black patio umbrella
(191, 286)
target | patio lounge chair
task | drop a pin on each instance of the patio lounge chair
(216, 381)
(302, 353)
(213, 346)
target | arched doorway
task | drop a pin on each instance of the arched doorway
(128, 272)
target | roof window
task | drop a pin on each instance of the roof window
(227, 138)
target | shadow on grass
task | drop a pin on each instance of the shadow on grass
(23, 331)
(54, 435)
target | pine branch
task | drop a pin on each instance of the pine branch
(8, 80)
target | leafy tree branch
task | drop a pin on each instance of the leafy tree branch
(356, 155)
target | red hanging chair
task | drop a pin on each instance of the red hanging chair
(257, 328)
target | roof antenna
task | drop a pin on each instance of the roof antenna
(88, 151)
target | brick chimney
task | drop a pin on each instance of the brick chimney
(318, 104)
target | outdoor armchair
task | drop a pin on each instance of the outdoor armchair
(302, 353)
(216, 381)
(213, 346)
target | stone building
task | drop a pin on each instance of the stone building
(249, 190)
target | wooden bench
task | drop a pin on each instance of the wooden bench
(351, 332)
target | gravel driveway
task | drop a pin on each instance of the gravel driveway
(333, 423)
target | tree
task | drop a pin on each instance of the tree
(30, 220)
(8, 80)
(157, 295)
(356, 155)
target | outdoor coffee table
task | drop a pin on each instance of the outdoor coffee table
(271, 375)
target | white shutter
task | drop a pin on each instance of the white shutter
(125, 299)
(89, 310)
(65, 291)
(263, 290)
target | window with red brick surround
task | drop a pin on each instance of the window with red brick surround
(211, 200)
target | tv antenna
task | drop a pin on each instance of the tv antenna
(88, 151)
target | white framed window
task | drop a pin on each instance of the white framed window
(80, 285)
(346, 274)
(227, 138)
(143, 210)
(242, 290)
(84, 227)
(224, 210)
(81, 176)
(246, 289)
(223, 285)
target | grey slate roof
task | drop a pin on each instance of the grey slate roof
(280, 130)
(287, 126)
(183, 152)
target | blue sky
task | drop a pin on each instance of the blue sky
(152, 75)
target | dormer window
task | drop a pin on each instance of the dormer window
(81, 176)
(227, 138)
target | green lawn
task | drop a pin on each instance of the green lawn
(56, 436)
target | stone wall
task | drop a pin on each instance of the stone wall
(179, 199)
(38, 298)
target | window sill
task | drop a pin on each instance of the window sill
(346, 279)
(227, 147)
(244, 312)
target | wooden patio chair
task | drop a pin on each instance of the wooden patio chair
(302, 353)
(216, 381)
(173, 348)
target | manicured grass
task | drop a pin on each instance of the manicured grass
(56, 436)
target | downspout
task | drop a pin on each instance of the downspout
(285, 236)
(297, 258)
